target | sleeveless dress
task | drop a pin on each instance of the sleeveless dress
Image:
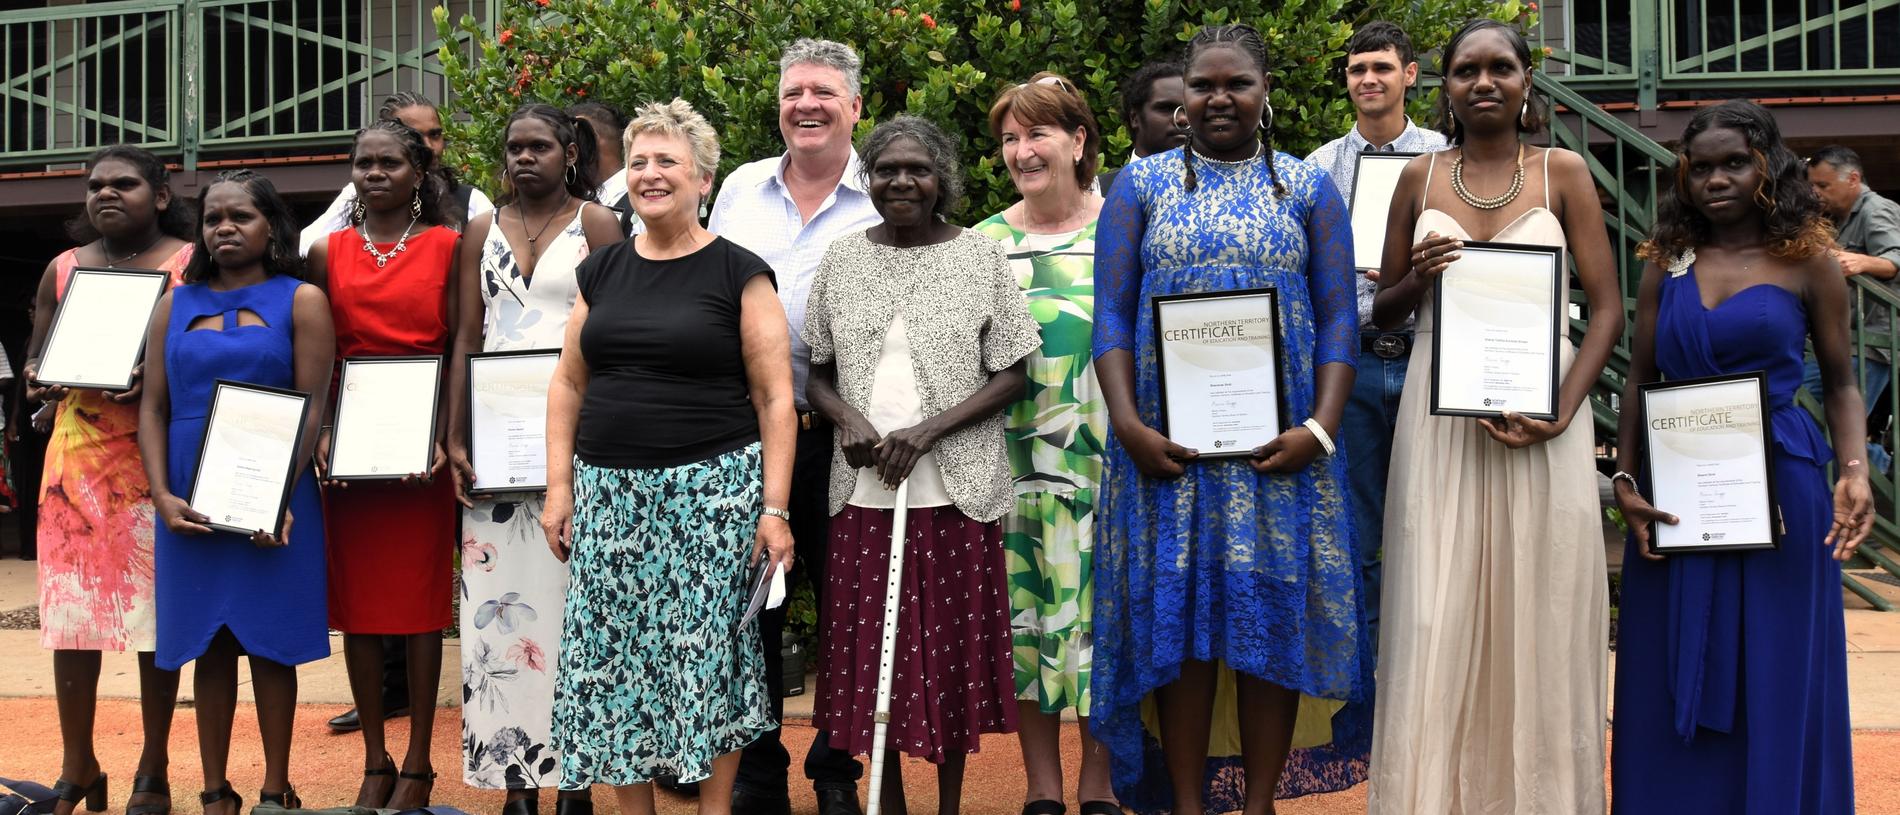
(95, 517)
(1055, 435)
(391, 545)
(1222, 563)
(513, 589)
(1495, 620)
(271, 599)
(1731, 669)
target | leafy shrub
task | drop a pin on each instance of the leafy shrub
(941, 60)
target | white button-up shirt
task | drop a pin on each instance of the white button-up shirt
(1340, 159)
(755, 210)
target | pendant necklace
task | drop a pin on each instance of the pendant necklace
(534, 248)
(113, 264)
(369, 246)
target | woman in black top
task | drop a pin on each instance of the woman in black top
(670, 435)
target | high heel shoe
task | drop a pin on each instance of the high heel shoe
(530, 805)
(154, 785)
(287, 799)
(219, 794)
(427, 777)
(574, 806)
(388, 768)
(93, 793)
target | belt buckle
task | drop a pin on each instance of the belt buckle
(1389, 346)
(804, 420)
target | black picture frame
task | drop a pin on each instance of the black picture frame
(1271, 297)
(469, 394)
(74, 284)
(1760, 381)
(1559, 320)
(218, 389)
(1353, 210)
(336, 411)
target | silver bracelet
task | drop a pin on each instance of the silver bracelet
(1319, 432)
(1624, 476)
(775, 512)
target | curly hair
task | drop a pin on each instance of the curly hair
(942, 151)
(177, 219)
(1245, 39)
(1797, 227)
(281, 257)
(1050, 99)
(570, 130)
(677, 119)
(1535, 113)
(431, 187)
(1139, 88)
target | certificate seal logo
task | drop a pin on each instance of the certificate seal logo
(1705, 536)
(1487, 401)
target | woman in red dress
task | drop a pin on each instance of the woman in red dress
(389, 282)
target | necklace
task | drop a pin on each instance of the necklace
(534, 249)
(1258, 150)
(1465, 195)
(401, 243)
(111, 264)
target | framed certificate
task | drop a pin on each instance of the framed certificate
(98, 332)
(1373, 181)
(508, 419)
(1706, 441)
(247, 461)
(385, 417)
(1498, 314)
(1218, 356)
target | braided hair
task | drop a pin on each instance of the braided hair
(430, 186)
(569, 131)
(1246, 40)
(280, 257)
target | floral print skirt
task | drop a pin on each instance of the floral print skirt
(512, 593)
(657, 676)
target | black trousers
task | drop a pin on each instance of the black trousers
(764, 763)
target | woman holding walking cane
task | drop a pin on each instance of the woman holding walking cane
(918, 331)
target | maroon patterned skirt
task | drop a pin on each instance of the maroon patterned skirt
(954, 678)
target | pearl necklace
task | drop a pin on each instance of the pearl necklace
(369, 246)
(1258, 151)
(1465, 195)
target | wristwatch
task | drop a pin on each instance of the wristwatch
(775, 512)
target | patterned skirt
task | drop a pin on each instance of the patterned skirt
(1050, 539)
(513, 591)
(656, 675)
(953, 680)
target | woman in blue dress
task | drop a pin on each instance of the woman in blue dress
(1227, 583)
(1731, 670)
(244, 314)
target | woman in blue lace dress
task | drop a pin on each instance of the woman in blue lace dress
(1731, 670)
(1227, 583)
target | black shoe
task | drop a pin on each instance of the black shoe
(530, 805)
(1044, 807)
(150, 785)
(753, 802)
(574, 806)
(350, 721)
(287, 799)
(94, 794)
(838, 801)
(206, 799)
(1101, 808)
(671, 783)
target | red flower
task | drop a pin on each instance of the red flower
(1547, 50)
(1531, 6)
(898, 12)
(541, 3)
(928, 22)
(1015, 5)
(506, 35)
(582, 93)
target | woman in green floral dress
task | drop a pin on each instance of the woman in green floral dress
(1050, 146)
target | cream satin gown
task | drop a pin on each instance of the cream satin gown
(1494, 624)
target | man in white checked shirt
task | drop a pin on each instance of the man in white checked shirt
(787, 210)
(1380, 68)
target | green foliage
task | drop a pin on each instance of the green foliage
(942, 60)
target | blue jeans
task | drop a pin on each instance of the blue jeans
(1876, 375)
(1366, 435)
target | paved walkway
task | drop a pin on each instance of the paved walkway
(326, 766)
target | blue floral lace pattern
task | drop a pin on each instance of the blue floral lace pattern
(1223, 563)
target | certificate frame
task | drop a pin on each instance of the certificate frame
(1758, 382)
(77, 290)
(1554, 275)
(1270, 297)
(1368, 235)
(338, 415)
(218, 389)
(475, 361)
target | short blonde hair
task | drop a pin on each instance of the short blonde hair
(676, 118)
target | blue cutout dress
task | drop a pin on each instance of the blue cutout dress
(1731, 668)
(273, 600)
(1256, 571)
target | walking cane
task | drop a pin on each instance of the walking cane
(887, 646)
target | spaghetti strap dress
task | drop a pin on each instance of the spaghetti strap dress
(95, 516)
(272, 599)
(392, 545)
(1731, 667)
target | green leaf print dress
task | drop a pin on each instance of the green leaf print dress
(1055, 436)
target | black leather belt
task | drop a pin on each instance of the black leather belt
(1386, 346)
(808, 419)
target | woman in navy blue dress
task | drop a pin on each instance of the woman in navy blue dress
(1731, 670)
(243, 314)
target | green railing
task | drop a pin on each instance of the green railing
(1690, 45)
(1629, 168)
(184, 77)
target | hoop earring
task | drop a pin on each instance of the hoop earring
(415, 204)
(1266, 119)
(1180, 119)
(358, 212)
(571, 175)
(1524, 116)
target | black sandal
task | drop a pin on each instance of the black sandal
(424, 776)
(527, 805)
(206, 799)
(94, 793)
(388, 768)
(1101, 808)
(153, 785)
(1044, 807)
(287, 799)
